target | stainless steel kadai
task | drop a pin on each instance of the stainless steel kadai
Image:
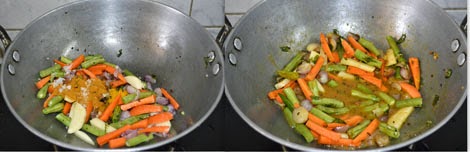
(154, 39)
(252, 53)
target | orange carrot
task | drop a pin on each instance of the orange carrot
(279, 99)
(373, 80)
(305, 89)
(316, 135)
(323, 131)
(411, 90)
(357, 71)
(356, 44)
(316, 120)
(348, 50)
(91, 75)
(296, 105)
(172, 100)
(101, 140)
(67, 107)
(96, 72)
(160, 117)
(273, 94)
(147, 100)
(75, 63)
(382, 71)
(99, 67)
(109, 109)
(117, 143)
(315, 69)
(89, 109)
(62, 64)
(117, 83)
(334, 125)
(367, 131)
(159, 129)
(415, 70)
(354, 120)
(334, 77)
(326, 48)
(345, 116)
(42, 82)
(341, 142)
(140, 124)
(336, 57)
(111, 70)
(50, 89)
(145, 109)
(46, 103)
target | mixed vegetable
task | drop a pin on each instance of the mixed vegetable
(92, 96)
(345, 92)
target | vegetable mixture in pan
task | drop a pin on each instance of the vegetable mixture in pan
(92, 96)
(346, 93)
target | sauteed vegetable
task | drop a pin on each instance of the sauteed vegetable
(345, 92)
(91, 96)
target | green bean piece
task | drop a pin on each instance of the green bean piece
(359, 94)
(65, 60)
(55, 108)
(92, 62)
(110, 64)
(288, 75)
(334, 111)
(46, 72)
(288, 117)
(86, 127)
(415, 102)
(370, 107)
(145, 94)
(388, 99)
(42, 92)
(397, 74)
(294, 62)
(332, 83)
(363, 88)
(340, 49)
(389, 130)
(116, 114)
(93, 57)
(134, 141)
(366, 103)
(396, 51)
(383, 107)
(55, 100)
(304, 131)
(322, 115)
(291, 96)
(313, 87)
(127, 73)
(287, 102)
(128, 121)
(336, 68)
(128, 98)
(353, 132)
(370, 46)
(58, 74)
(367, 59)
(165, 108)
(328, 102)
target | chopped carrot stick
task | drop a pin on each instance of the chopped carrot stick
(279, 99)
(296, 105)
(91, 75)
(316, 120)
(160, 117)
(411, 90)
(305, 89)
(316, 135)
(415, 70)
(140, 124)
(357, 71)
(75, 63)
(334, 77)
(50, 89)
(172, 100)
(111, 70)
(273, 94)
(117, 83)
(109, 109)
(368, 131)
(159, 129)
(42, 82)
(145, 109)
(323, 131)
(147, 100)
(356, 44)
(341, 142)
(345, 116)
(354, 120)
(67, 107)
(382, 71)
(96, 72)
(375, 81)
(336, 57)
(334, 125)
(349, 52)
(99, 67)
(46, 103)
(117, 143)
(326, 48)
(101, 140)
(315, 69)
(89, 109)
(62, 64)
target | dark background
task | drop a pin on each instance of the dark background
(225, 130)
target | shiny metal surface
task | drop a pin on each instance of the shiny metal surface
(275, 23)
(154, 38)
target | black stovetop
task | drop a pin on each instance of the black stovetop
(225, 130)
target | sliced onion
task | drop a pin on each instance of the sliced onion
(405, 73)
(162, 100)
(107, 76)
(124, 115)
(149, 78)
(158, 91)
(306, 104)
(130, 89)
(341, 129)
(304, 68)
(396, 85)
(171, 109)
(149, 86)
(396, 96)
(323, 77)
(117, 71)
(129, 133)
(384, 118)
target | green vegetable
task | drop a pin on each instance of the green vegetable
(322, 115)
(288, 75)
(46, 72)
(110, 64)
(65, 60)
(396, 50)
(138, 140)
(332, 83)
(304, 131)
(128, 98)
(294, 62)
(334, 111)
(145, 94)
(128, 121)
(127, 72)
(328, 102)
(92, 62)
(287, 102)
(288, 117)
(93, 57)
(363, 88)
(366, 103)
(356, 93)
(353, 132)
(389, 130)
(116, 114)
(399, 117)
(389, 100)
(370, 46)
(383, 107)
(285, 48)
(415, 102)
(313, 87)
(397, 74)
(86, 127)
(55, 108)
(336, 68)
(291, 96)
(370, 107)
(367, 59)
(55, 100)
(42, 92)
